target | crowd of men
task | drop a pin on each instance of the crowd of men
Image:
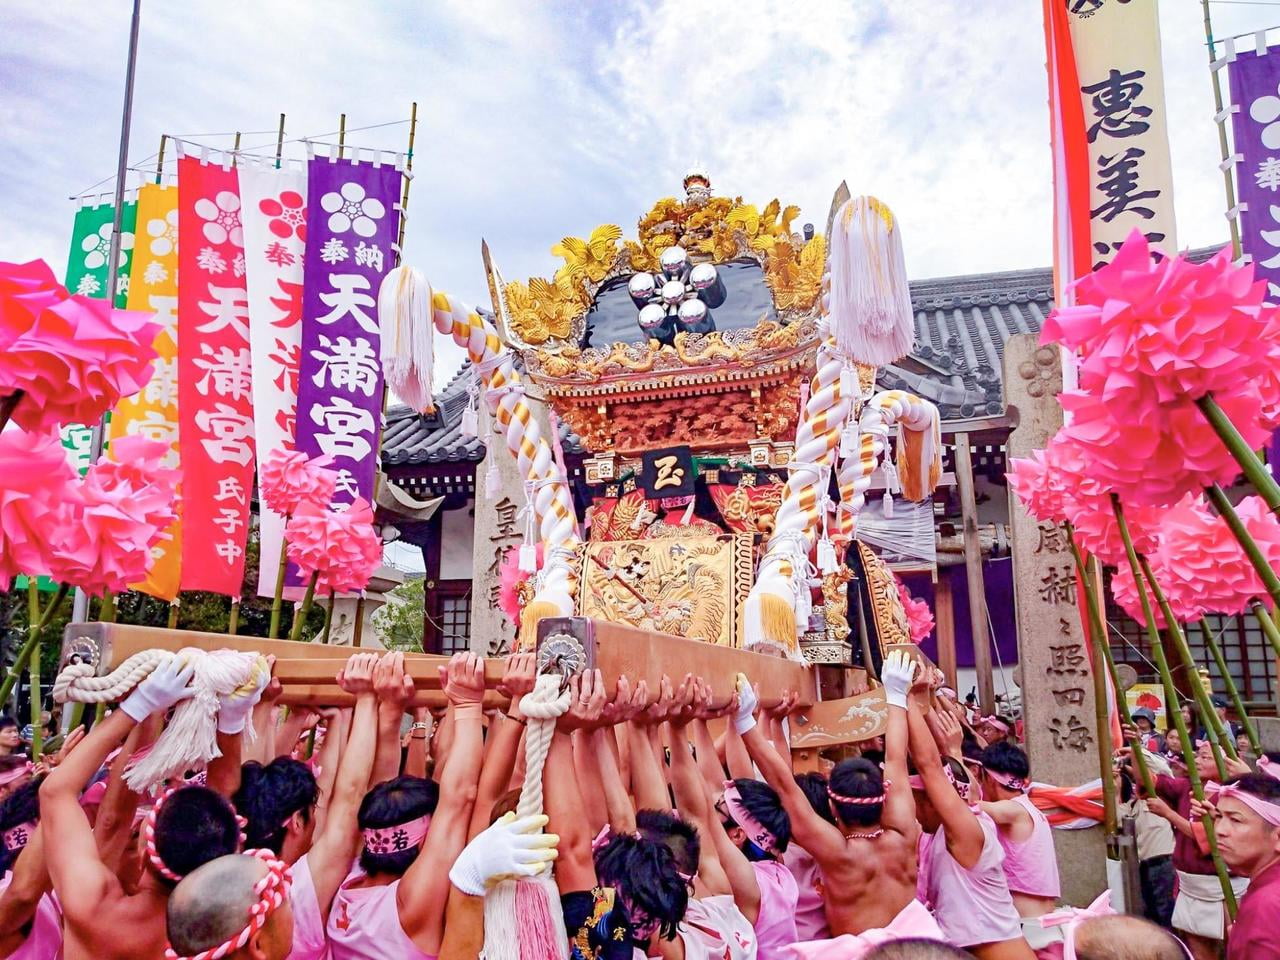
(673, 826)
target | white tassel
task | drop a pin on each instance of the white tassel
(470, 425)
(826, 557)
(491, 478)
(886, 505)
(404, 321)
(687, 518)
(849, 439)
(871, 310)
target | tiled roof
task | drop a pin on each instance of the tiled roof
(962, 324)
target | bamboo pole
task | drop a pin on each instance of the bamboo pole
(233, 622)
(173, 614)
(280, 141)
(1233, 693)
(1162, 665)
(33, 670)
(1268, 625)
(300, 615)
(33, 634)
(328, 617)
(404, 193)
(1226, 509)
(235, 149)
(1255, 470)
(1224, 149)
(278, 602)
(342, 135)
(160, 158)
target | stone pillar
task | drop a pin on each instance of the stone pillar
(342, 628)
(1053, 659)
(498, 526)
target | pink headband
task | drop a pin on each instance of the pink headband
(16, 773)
(861, 801)
(1071, 918)
(963, 789)
(1272, 770)
(15, 838)
(401, 836)
(998, 724)
(149, 838)
(1007, 780)
(755, 830)
(1268, 811)
(269, 893)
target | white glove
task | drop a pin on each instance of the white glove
(509, 848)
(234, 708)
(897, 674)
(744, 718)
(163, 687)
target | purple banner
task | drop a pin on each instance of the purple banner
(352, 222)
(1255, 127)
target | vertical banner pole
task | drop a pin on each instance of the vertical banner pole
(404, 194)
(164, 138)
(342, 134)
(1227, 182)
(235, 150)
(280, 141)
(81, 604)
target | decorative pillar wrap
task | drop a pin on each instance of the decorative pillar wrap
(274, 213)
(91, 249)
(1116, 45)
(214, 378)
(153, 412)
(1255, 128)
(352, 221)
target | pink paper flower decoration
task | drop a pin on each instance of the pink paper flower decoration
(119, 514)
(343, 548)
(1157, 460)
(1262, 526)
(290, 479)
(1126, 595)
(919, 616)
(35, 500)
(78, 360)
(510, 576)
(1201, 565)
(1036, 481)
(25, 290)
(1151, 332)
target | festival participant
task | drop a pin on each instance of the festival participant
(1247, 815)
(191, 827)
(10, 737)
(15, 771)
(867, 857)
(393, 902)
(1030, 862)
(235, 907)
(917, 949)
(1122, 937)
(1144, 719)
(30, 921)
(1154, 837)
(279, 800)
(811, 911)
(963, 875)
(994, 729)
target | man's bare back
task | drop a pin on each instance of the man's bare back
(870, 884)
(135, 924)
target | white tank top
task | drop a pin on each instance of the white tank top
(972, 906)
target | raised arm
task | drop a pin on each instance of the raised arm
(234, 711)
(334, 847)
(691, 795)
(899, 811)
(113, 826)
(394, 689)
(18, 902)
(83, 883)
(424, 889)
(822, 839)
(624, 707)
(505, 735)
(418, 748)
(965, 838)
(648, 780)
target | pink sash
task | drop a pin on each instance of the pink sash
(913, 920)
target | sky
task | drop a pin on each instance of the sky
(541, 120)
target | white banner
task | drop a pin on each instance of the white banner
(273, 214)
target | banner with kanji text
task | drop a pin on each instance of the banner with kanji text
(87, 263)
(215, 404)
(1255, 130)
(153, 412)
(352, 224)
(274, 213)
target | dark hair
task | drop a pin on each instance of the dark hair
(1260, 785)
(12, 761)
(269, 795)
(969, 749)
(763, 803)
(390, 804)
(680, 836)
(646, 878)
(814, 788)
(1273, 756)
(856, 777)
(21, 806)
(195, 825)
(918, 949)
(1007, 758)
(6, 722)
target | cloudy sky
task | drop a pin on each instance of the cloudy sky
(539, 120)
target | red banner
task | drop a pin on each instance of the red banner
(214, 378)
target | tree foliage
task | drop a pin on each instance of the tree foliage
(400, 622)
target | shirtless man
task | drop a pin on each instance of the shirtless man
(93, 901)
(868, 861)
(219, 902)
(1030, 863)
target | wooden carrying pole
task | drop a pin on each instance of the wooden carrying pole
(973, 575)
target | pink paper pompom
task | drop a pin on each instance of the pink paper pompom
(1201, 564)
(343, 548)
(79, 359)
(1037, 483)
(919, 616)
(119, 514)
(25, 290)
(1151, 332)
(288, 479)
(35, 500)
(510, 577)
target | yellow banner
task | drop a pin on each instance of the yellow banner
(153, 412)
(1117, 54)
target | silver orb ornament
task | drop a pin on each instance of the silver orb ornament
(672, 292)
(705, 279)
(642, 287)
(674, 260)
(652, 316)
(692, 312)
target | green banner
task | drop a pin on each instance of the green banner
(91, 249)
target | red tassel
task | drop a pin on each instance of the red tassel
(533, 920)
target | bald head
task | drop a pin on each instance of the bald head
(1126, 938)
(211, 905)
(918, 950)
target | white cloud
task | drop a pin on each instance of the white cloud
(538, 121)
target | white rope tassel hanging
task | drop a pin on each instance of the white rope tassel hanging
(189, 740)
(509, 919)
(870, 301)
(404, 320)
